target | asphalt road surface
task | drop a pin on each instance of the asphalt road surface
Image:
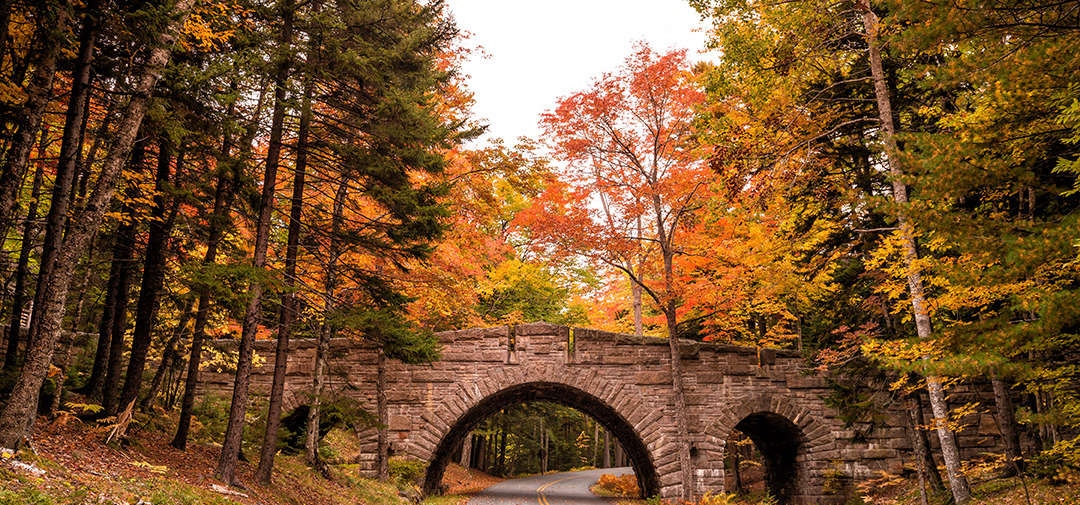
(570, 488)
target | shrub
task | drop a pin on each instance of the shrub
(1060, 463)
(625, 485)
(212, 413)
(407, 470)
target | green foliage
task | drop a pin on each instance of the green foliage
(835, 478)
(407, 470)
(85, 408)
(515, 292)
(655, 500)
(26, 496)
(334, 413)
(569, 435)
(212, 414)
(986, 108)
(1059, 463)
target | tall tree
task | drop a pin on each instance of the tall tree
(290, 302)
(627, 140)
(29, 232)
(230, 449)
(1000, 193)
(153, 275)
(17, 416)
(920, 306)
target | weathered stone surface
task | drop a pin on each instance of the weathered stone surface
(623, 380)
(652, 378)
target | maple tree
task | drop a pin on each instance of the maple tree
(627, 144)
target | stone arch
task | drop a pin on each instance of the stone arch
(617, 407)
(792, 440)
(291, 399)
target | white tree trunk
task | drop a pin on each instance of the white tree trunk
(949, 449)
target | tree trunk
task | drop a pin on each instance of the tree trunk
(682, 432)
(18, 413)
(28, 120)
(168, 357)
(543, 447)
(152, 279)
(500, 465)
(5, 22)
(466, 451)
(1005, 413)
(95, 383)
(607, 449)
(56, 220)
(326, 331)
(123, 267)
(311, 449)
(619, 455)
(223, 198)
(635, 292)
(383, 471)
(736, 463)
(290, 302)
(949, 449)
(932, 473)
(22, 270)
(924, 461)
(230, 450)
(264, 473)
(596, 444)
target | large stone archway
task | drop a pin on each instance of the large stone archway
(624, 429)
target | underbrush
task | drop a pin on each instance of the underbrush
(610, 485)
(69, 463)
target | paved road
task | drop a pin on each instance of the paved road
(571, 488)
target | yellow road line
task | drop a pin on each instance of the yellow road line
(540, 491)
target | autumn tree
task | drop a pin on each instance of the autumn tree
(626, 141)
(998, 193)
(829, 68)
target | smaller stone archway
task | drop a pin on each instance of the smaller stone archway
(606, 415)
(794, 444)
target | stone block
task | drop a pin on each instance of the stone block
(652, 378)
(403, 396)
(878, 453)
(710, 377)
(400, 423)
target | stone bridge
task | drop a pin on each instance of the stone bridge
(624, 383)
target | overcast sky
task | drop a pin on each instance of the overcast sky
(540, 50)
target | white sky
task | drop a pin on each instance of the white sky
(540, 50)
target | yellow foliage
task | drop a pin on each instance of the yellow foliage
(211, 25)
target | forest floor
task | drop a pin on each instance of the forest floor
(887, 490)
(70, 463)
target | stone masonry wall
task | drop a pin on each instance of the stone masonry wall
(621, 380)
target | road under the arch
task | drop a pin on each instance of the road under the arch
(568, 488)
(637, 452)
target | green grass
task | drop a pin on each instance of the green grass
(449, 499)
